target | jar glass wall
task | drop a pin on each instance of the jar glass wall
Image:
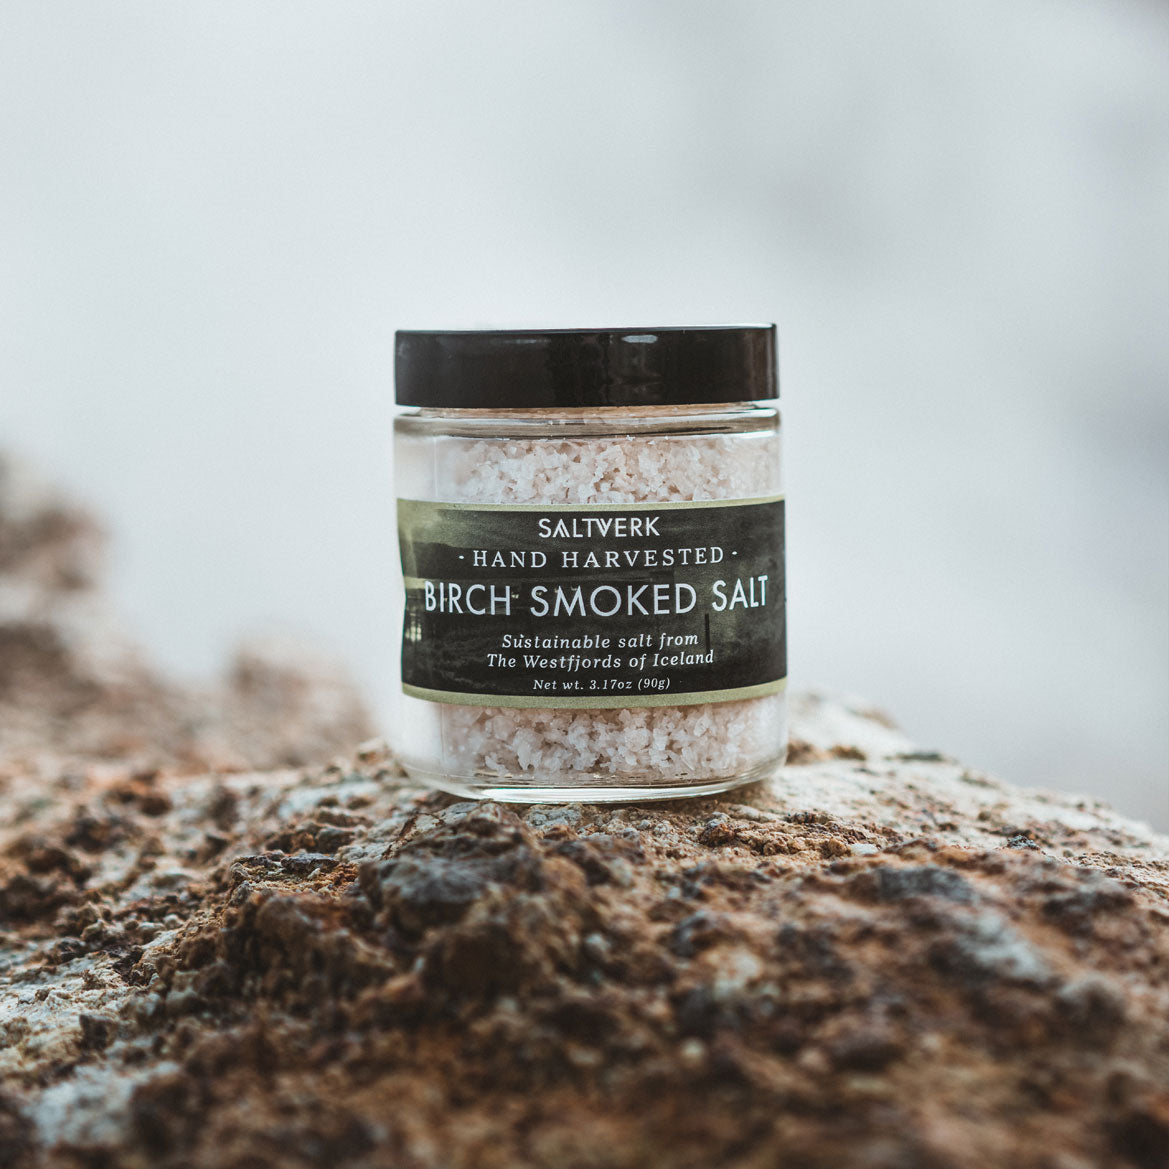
(610, 458)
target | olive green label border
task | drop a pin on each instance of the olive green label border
(548, 702)
(453, 657)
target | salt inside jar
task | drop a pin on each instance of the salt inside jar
(591, 526)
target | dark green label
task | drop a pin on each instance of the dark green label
(599, 606)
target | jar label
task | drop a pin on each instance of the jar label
(656, 604)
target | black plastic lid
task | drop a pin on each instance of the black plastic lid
(549, 368)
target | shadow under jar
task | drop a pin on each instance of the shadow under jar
(592, 596)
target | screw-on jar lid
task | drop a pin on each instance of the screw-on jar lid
(549, 368)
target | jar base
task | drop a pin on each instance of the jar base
(585, 792)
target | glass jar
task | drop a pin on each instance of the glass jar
(592, 597)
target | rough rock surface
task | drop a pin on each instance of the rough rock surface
(73, 685)
(878, 960)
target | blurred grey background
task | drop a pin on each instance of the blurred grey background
(214, 215)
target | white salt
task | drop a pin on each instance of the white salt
(678, 744)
